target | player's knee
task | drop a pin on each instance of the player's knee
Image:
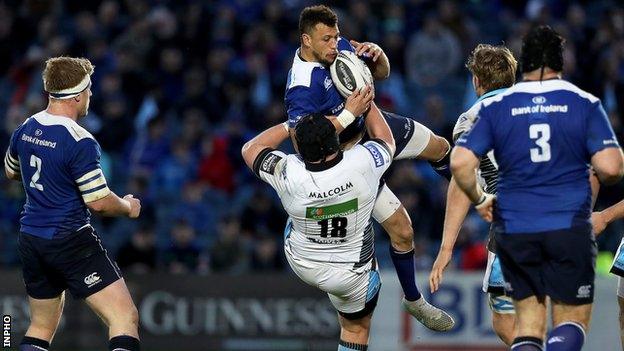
(402, 238)
(440, 147)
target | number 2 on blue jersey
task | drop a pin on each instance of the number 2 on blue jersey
(36, 163)
(541, 134)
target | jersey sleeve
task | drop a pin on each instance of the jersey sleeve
(599, 132)
(84, 165)
(479, 138)
(269, 166)
(301, 101)
(378, 155)
(11, 158)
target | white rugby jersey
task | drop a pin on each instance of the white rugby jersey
(330, 205)
(488, 169)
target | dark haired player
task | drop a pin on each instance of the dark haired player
(309, 89)
(329, 195)
(544, 132)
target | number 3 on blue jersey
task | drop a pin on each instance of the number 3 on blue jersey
(541, 134)
(36, 163)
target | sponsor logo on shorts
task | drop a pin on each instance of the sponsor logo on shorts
(377, 155)
(92, 279)
(583, 291)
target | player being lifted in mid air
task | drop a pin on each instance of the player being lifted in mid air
(544, 132)
(493, 70)
(58, 163)
(310, 90)
(329, 196)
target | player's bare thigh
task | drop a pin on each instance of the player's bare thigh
(45, 315)
(531, 317)
(115, 307)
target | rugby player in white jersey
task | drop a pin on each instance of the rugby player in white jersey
(493, 70)
(329, 195)
(310, 90)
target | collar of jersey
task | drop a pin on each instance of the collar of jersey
(318, 167)
(299, 59)
(491, 93)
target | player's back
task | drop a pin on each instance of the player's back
(330, 205)
(59, 163)
(542, 136)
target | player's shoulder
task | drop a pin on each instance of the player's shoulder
(469, 117)
(553, 86)
(307, 74)
(73, 129)
(375, 149)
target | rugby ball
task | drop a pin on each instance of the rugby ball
(349, 72)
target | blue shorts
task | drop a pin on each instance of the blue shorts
(402, 129)
(77, 262)
(559, 264)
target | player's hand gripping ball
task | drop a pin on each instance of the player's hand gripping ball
(349, 72)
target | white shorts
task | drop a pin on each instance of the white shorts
(386, 204)
(353, 292)
(494, 285)
(416, 144)
(617, 268)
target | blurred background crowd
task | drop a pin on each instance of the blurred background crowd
(180, 85)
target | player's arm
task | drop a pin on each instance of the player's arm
(457, 206)
(608, 164)
(607, 159)
(269, 139)
(11, 161)
(375, 58)
(11, 174)
(378, 128)
(112, 205)
(464, 164)
(84, 166)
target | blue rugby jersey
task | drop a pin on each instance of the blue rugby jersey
(309, 89)
(59, 162)
(543, 135)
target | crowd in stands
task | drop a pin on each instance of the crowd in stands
(180, 85)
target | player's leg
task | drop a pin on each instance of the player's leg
(570, 284)
(114, 306)
(93, 276)
(393, 217)
(570, 324)
(521, 263)
(45, 287)
(354, 333)
(45, 315)
(501, 305)
(504, 325)
(531, 316)
(414, 140)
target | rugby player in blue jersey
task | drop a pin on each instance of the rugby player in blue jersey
(493, 70)
(58, 163)
(310, 90)
(545, 132)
